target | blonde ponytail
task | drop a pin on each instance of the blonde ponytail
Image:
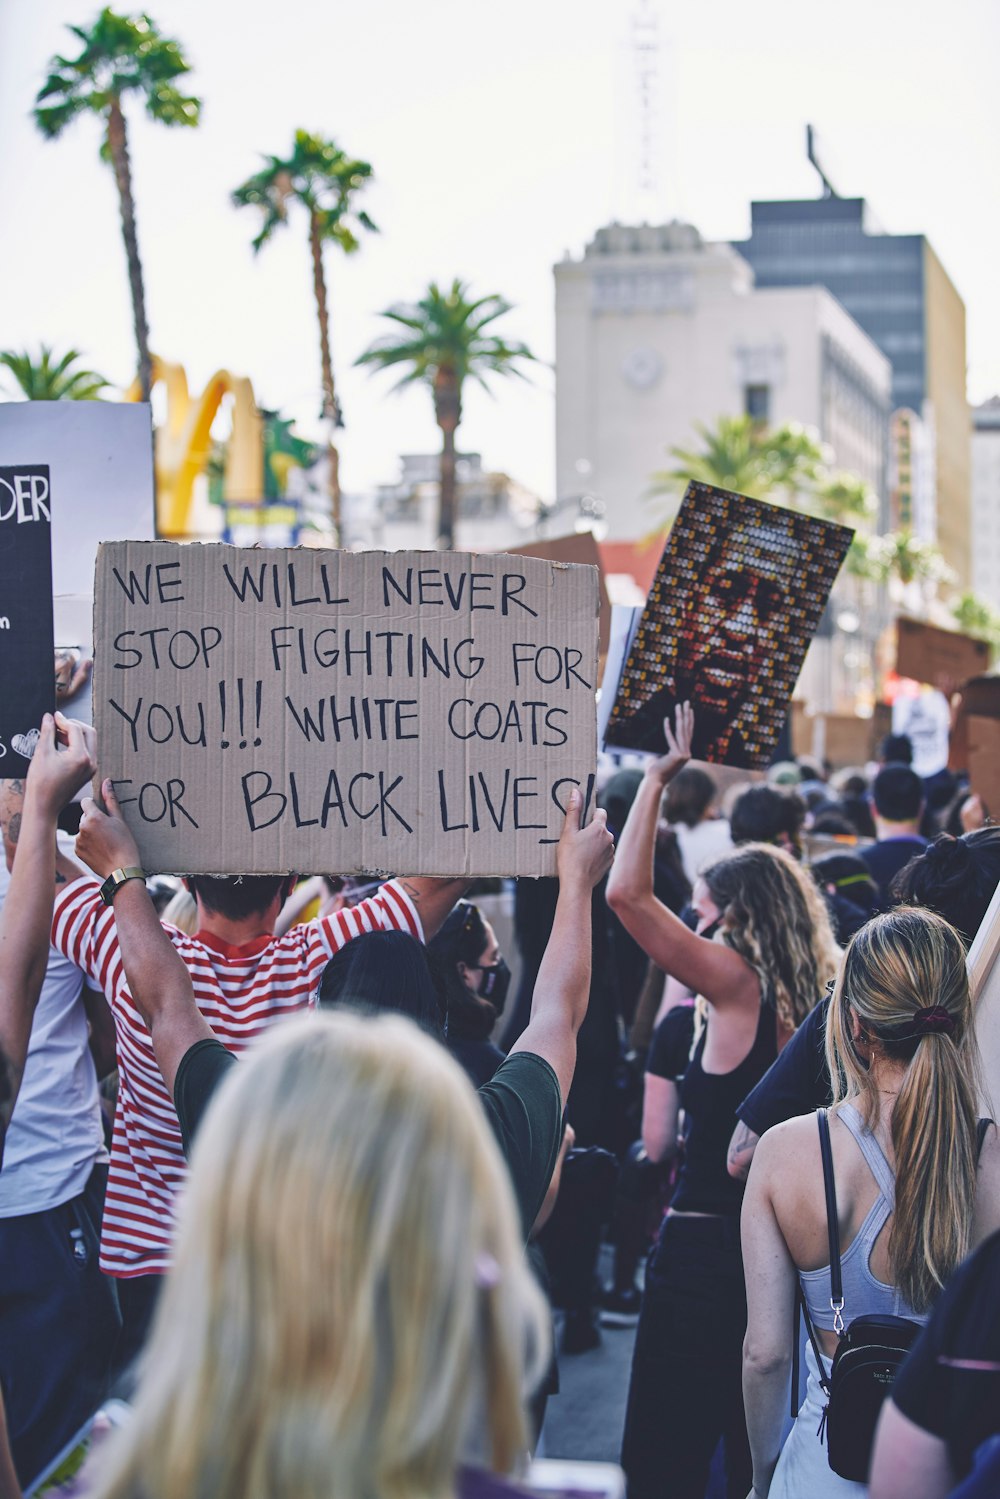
(904, 977)
(934, 1141)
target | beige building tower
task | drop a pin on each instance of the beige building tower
(658, 331)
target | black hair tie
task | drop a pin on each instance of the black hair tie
(932, 1020)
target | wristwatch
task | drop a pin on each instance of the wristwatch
(116, 879)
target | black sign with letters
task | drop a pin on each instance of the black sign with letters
(27, 683)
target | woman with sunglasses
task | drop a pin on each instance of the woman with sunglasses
(475, 978)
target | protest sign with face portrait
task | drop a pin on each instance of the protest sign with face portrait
(735, 602)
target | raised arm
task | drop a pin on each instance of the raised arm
(62, 763)
(562, 989)
(157, 978)
(705, 967)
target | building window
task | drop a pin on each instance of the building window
(757, 402)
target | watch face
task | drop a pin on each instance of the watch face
(642, 368)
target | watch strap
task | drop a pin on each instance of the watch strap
(116, 879)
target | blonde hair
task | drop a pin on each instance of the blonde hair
(181, 911)
(773, 915)
(896, 965)
(348, 1294)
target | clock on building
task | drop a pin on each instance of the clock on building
(641, 368)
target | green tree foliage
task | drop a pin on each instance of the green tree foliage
(441, 341)
(741, 454)
(788, 465)
(47, 378)
(326, 182)
(119, 56)
(976, 617)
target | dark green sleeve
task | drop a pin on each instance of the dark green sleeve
(524, 1109)
(201, 1070)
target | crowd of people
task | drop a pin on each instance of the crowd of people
(293, 1198)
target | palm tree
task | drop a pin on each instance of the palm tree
(441, 341)
(908, 559)
(741, 454)
(49, 379)
(326, 181)
(120, 55)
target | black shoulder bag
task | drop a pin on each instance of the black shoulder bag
(869, 1353)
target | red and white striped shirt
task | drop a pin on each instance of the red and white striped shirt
(240, 991)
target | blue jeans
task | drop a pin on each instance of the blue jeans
(686, 1392)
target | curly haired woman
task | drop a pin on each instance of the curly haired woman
(760, 960)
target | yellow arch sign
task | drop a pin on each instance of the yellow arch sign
(183, 443)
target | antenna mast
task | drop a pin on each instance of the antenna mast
(644, 23)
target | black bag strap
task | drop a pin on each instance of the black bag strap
(836, 1281)
(832, 1221)
(824, 1380)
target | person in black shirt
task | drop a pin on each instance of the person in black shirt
(945, 1401)
(898, 800)
(475, 979)
(772, 951)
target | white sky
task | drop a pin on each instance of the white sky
(501, 136)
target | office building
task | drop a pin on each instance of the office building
(986, 501)
(658, 331)
(896, 289)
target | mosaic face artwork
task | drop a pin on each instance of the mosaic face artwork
(735, 602)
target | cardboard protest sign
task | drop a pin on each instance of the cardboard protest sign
(975, 739)
(735, 602)
(984, 981)
(317, 711)
(579, 547)
(943, 658)
(27, 682)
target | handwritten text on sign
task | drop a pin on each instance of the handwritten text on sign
(264, 711)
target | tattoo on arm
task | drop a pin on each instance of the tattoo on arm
(741, 1149)
(14, 827)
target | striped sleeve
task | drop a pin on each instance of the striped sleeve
(75, 915)
(391, 909)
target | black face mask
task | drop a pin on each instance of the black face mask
(494, 984)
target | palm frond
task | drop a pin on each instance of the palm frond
(320, 177)
(47, 379)
(120, 55)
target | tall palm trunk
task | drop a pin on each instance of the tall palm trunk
(118, 148)
(326, 363)
(448, 412)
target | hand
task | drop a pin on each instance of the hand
(72, 671)
(584, 855)
(65, 758)
(678, 737)
(972, 814)
(104, 842)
